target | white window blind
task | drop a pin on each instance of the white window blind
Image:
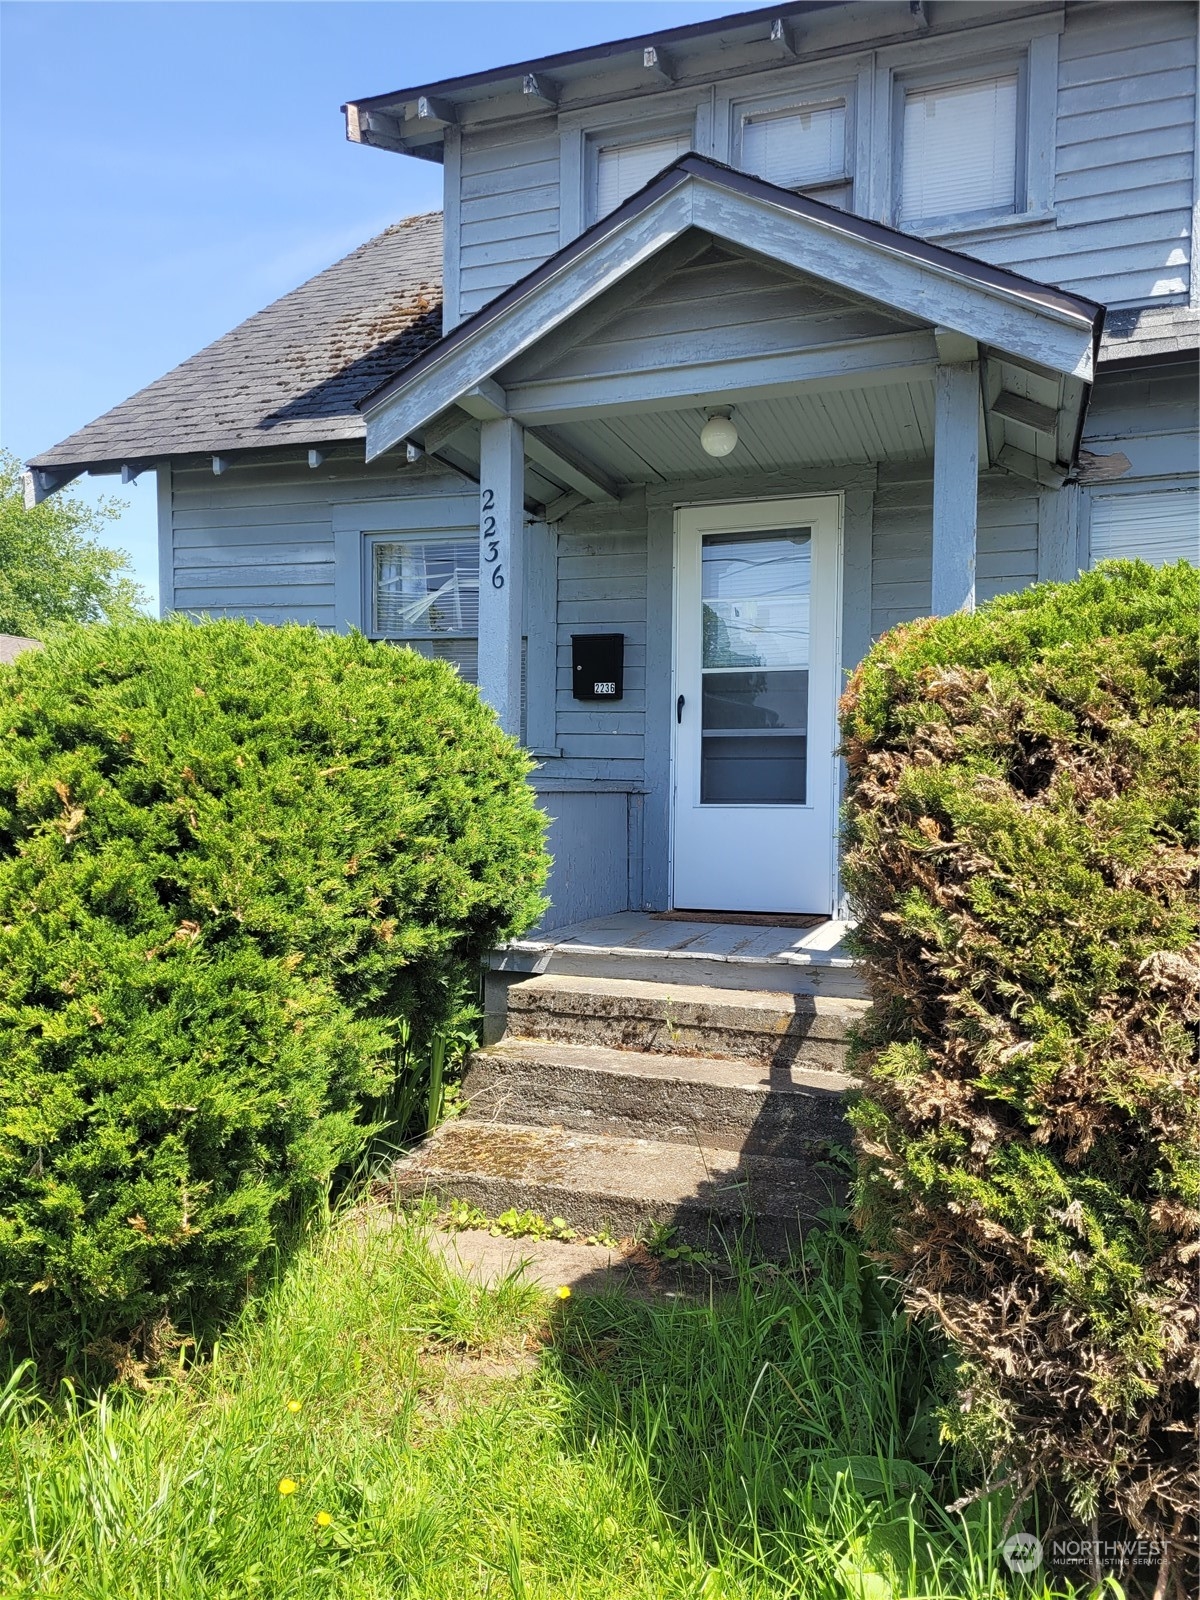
(426, 593)
(798, 148)
(622, 169)
(1159, 526)
(959, 149)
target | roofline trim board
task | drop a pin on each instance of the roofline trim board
(772, 25)
(747, 20)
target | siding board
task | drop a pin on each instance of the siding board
(1126, 96)
(259, 540)
(319, 573)
(508, 203)
(1007, 553)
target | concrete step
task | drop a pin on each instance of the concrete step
(736, 1105)
(768, 1026)
(618, 1184)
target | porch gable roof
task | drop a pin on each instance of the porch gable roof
(964, 299)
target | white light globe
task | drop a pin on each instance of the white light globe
(718, 436)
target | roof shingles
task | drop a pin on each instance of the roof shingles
(296, 373)
(292, 373)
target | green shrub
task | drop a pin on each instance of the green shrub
(236, 863)
(1022, 860)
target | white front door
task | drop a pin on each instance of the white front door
(757, 602)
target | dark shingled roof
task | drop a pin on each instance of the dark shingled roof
(1147, 333)
(291, 374)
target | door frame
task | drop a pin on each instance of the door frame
(782, 510)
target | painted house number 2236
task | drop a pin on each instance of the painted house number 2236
(491, 544)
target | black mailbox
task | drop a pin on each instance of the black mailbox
(597, 665)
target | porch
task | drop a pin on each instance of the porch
(725, 953)
(854, 371)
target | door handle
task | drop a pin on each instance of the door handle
(679, 709)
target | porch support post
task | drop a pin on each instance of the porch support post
(955, 486)
(501, 537)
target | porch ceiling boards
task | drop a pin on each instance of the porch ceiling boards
(889, 423)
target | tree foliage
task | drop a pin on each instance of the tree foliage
(52, 567)
(238, 864)
(1022, 836)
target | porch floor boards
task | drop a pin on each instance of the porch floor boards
(636, 944)
(643, 933)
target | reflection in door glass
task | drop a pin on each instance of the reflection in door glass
(754, 591)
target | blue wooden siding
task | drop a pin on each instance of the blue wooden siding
(507, 208)
(1125, 169)
(1141, 435)
(1150, 417)
(258, 541)
(1121, 173)
(601, 588)
(721, 305)
(902, 545)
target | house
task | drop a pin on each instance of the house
(733, 346)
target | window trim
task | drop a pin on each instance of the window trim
(356, 521)
(688, 110)
(963, 74)
(1029, 44)
(603, 139)
(371, 541)
(430, 512)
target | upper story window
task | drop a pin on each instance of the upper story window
(801, 147)
(807, 146)
(620, 168)
(959, 147)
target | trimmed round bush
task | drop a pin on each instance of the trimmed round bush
(1022, 832)
(236, 861)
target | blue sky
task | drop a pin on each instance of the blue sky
(169, 167)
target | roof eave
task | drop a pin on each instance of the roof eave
(515, 72)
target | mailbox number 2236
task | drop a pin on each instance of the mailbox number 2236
(491, 545)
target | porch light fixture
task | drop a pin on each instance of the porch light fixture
(719, 434)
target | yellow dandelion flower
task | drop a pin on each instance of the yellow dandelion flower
(563, 1293)
(293, 1406)
(324, 1519)
(288, 1485)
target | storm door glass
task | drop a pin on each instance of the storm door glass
(754, 594)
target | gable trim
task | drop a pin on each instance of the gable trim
(940, 286)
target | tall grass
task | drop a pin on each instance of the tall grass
(447, 1442)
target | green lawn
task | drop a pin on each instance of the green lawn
(378, 1427)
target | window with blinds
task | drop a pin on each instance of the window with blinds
(623, 169)
(959, 149)
(425, 593)
(802, 148)
(1157, 525)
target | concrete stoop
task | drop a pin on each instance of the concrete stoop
(618, 1103)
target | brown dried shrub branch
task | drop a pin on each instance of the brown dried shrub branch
(1021, 853)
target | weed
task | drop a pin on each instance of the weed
(514, 1224)
(660, 1240)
